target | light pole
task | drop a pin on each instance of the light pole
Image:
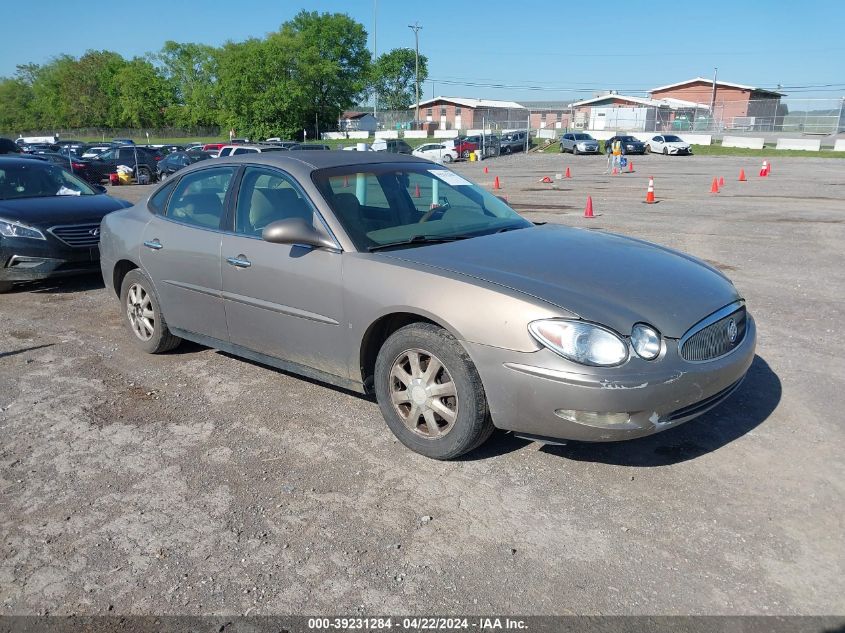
(415, 27)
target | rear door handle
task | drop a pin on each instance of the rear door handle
(154, 244)
(239, 262)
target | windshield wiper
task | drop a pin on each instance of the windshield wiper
(419, 239)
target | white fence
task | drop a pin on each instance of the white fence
(444, 133)
(747, 142)
(839, 145)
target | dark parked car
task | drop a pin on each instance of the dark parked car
(175, 161)
(8, 146)
(515, 142)
(430, 292)
(630, 144)
(129, 155)
(392, 145)
(49, 221)
(32, 148)
(87, 169)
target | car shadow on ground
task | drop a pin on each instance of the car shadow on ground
(746, 409)
(62, 285)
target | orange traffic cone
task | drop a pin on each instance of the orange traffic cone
(417, 191)
(742, 175)
(764, 170)
(615, 172)
(496, 184)
(649, 196)
(546, 179)
(588, 210)
(714, 188)
(721, 181)
(486, 170)
(630, 167)
(567, 175)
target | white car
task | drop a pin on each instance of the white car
(668, 144)
(436, 152)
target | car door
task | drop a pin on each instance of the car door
(282, 300)
(657, 144)
(181, 252)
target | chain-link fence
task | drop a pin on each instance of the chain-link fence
(137, 135)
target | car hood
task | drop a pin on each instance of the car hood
(46, 212)
(679, 144)
(605, 278)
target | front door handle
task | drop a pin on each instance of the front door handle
(154, 244)
(239, 262)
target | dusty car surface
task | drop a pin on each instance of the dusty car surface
(386, 274)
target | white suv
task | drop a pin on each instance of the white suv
(237, 150)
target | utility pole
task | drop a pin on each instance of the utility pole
(375, 51)
(713, 101)
(415, 27)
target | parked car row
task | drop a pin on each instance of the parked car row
(583, 143)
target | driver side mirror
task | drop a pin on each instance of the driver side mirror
(99, 188)
(296, 231)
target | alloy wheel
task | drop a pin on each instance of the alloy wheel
(139, 310)
(423, 394)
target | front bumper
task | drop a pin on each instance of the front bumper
(524, 389)
(680, 151)
(28, 260)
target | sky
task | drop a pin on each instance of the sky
(495, 49)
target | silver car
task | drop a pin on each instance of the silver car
(389, 275)
(578, 143)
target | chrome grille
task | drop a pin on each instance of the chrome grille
(81, 235)
(712, 339)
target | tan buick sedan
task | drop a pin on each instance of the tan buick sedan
(392, 275)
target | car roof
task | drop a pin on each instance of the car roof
(316, 160)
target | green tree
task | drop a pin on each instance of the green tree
(143, 94)
(314, 65)
(192, 70)
(16, 106)
(393, 76)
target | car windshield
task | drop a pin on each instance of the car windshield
(39, 180)
(629, 139)
(673, 139)
(393, 204)
(582, 137)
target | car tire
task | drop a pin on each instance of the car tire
(506, 150)
(5, 286)
(647, 149)
(162, 176)
(465, 423)
(574, 151)
(562, 149)
(465, 154)
(665, 151)
(447, 158)
(138, 300)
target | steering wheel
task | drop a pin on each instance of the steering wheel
(435, 208)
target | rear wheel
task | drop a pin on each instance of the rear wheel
(430, 393)
(143, 314)
(447, 158)
(465, 154)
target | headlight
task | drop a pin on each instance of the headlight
(581, 342)
(646, 341)
(15, 229)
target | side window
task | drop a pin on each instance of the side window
(159, 198)
(127, 154)
(266, 196)
(198, 198)
(244, 150)
(225, 151)
(107, 155)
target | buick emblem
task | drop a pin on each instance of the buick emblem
(94, 232)
(732, 331)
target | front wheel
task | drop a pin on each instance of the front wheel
(647, 149)
(665, 151)
(574, 151)
(143, 314)
(430, 393)
(465, 154)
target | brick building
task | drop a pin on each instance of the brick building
(735, 106)
(462, 113)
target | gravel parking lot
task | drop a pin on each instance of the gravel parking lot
(196, 482)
